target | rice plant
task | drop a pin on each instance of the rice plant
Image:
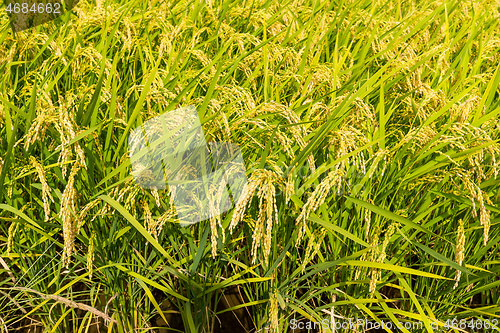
(370, 133)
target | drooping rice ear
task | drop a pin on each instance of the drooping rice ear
(151, 224)
(46, 195)
(332, 181)
(459, 253)
(67, 215)
(11, 233)
(90, 254)
(274, 311)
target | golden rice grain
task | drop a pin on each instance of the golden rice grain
(345, 141)
(368, 219)
(155, 194)
(373, 256)
(67, 132)
(45, 187)
(264, 181)
(245, 199)
(149, 221)
(68, 209)
(90, 255)
(373, 281)
(84, 212)
(387, 237)
(11, 233)
(273, 311)
(290, 186)
(460, 247)
(214, 217)
(318, 197)
(313, 246)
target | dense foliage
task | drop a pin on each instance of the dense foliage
(370, 136)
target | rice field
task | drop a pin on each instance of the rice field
(370, 135)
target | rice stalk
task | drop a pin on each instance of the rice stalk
(11, 233)
(155, 194)
(459, 250)
(264, 181)
(313, 246)
(151, 224)
(45, 187)
(84, 212)
(274, 310)
(67, 212)
(69, 303)
(318, 197)
(90, 255)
